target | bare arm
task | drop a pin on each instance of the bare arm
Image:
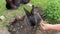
(50, 26)
(55, 27)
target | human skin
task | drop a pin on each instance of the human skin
(50, 26)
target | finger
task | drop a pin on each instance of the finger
(42, 22)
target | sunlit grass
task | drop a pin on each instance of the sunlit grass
(10, 13)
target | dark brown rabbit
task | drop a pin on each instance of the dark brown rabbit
(13, 4)
(27, 24)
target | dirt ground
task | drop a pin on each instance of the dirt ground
(4, 31)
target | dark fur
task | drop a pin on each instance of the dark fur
(13, 4)
(27, 24)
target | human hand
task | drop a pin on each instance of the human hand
(45, 26)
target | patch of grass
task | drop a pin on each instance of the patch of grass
(10, 13)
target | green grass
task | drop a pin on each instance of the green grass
(10, 13)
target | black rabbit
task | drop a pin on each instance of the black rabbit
(27, 24)
(13, 4)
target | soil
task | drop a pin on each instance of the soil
(5, 31)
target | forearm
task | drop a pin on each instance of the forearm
(50, 26)
(55, 27)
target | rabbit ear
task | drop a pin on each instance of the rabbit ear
(27, 12)
(32, 10)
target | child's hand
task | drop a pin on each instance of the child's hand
(47, 26)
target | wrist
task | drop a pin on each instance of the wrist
(51, 26)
